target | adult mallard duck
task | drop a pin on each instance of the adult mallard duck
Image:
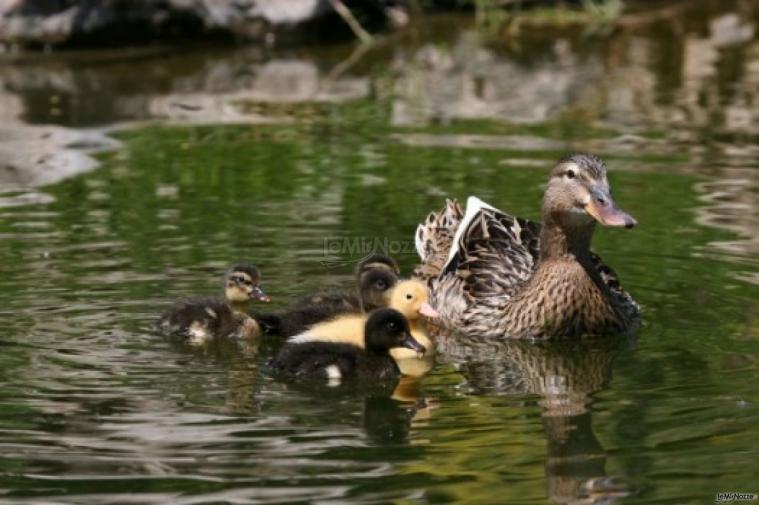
(493, 274)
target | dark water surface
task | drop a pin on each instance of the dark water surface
(327, 154)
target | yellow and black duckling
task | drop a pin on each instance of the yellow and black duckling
(410, 298)
(332, 361)
(200, 319)
(375, 276)
(493, 274)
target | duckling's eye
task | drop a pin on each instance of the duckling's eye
(381, 284)
(409, 296)
(570, 174)
(391, 326)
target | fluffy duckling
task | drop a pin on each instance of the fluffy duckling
(384, 329)
(375, 276)
(410, 298)
(200, 320)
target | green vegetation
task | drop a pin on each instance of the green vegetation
(511, 18)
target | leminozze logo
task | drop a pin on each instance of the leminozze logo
(357, 247)
(731, 497)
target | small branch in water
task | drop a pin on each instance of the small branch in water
(345, 13)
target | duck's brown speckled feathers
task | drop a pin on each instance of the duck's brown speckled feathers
(434, 239)
(509, 277)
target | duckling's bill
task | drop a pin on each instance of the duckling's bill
(410, 342)
(258, 294)
(428, 311)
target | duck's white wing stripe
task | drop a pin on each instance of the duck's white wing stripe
(473, 207)
(419, 243)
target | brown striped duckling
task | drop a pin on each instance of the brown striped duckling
(333, 361)
(493, 274)
(202, 319)
(375, 276)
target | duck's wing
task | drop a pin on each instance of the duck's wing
(434, 238)
(622, 298)
(196, 319)
(315, 359)
(494, 252)
(307, 311)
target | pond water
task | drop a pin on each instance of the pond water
(303, 161)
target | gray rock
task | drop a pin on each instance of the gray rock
(34, 22)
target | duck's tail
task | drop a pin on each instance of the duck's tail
(434, 238)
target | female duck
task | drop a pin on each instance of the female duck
(384, 330)
(493, 274)
(375, 276)
(201, 319)
(408, 297)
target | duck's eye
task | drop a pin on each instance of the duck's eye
(570, 174)
(381, 284)
(409, 296)
(391, 326)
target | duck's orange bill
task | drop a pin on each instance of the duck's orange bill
(427, 311)
(605, 211)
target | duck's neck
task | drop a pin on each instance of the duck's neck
(562, 240)
(242, 307)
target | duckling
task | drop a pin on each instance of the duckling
(384, 330)
(407, 297)
(375, 276)
(200, 319)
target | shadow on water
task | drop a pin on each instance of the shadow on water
(564, 376)
(304, 161)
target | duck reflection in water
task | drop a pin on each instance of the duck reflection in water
(564, 374)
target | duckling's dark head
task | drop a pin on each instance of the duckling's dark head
(387, 328)
(377, 261)
(374, 287)
(578, 194)
(241, 284)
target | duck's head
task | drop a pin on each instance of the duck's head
(241, 284)
(386, 329)
(376, 261)
(578, 194)
(376, 275)
(411, 298)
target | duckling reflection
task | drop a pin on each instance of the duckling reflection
(564, 374)
(236, 357)
(375, 276)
